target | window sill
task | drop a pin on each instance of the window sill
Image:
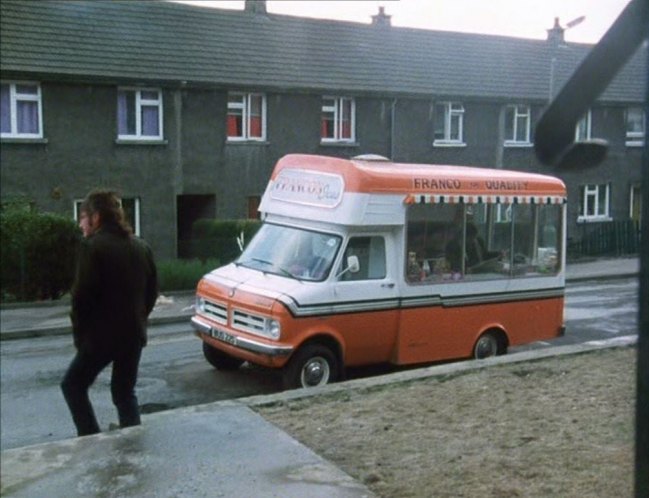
(518, 145)
(634, 143)
(440, 143)
(19, 140)
(594, 219)
(336, 143)
(247, 142)
(136, 141)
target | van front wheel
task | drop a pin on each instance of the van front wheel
(220, 360)
(312, 365)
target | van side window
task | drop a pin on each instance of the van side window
(431, 230)
(481, 241)
(371, 256)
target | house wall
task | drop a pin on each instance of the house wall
(80, 151)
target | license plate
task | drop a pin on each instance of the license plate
(223, 336)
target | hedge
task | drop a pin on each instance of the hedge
(217, 239)
(177, 275)
(38, 254)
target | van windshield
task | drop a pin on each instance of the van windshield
(291, 252)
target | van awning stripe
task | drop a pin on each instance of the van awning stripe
(483, 199)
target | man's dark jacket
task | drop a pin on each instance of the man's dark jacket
(115, 289)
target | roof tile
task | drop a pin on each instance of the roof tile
(170, 42)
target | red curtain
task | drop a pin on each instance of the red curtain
(234, 126)
(255, 126)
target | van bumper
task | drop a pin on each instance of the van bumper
(239, 342)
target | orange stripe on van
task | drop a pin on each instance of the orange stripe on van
(394, 178)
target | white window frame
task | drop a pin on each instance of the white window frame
(141, 102)
(336, 110)
(136, 225)
(635, 138)
(452, 110)
(592, 191)
(584, 128)
(14, 98)
(519, 112)
(245, 105)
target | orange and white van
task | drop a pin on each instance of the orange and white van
(367, 261)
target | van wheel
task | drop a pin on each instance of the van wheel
(313, 365)
(486, 346)
(220, 360)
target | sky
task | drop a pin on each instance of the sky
(519, 18)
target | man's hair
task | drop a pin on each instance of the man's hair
(108, 205)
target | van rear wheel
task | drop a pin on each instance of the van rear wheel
(220, 360)
(486, 346)
(312, 365)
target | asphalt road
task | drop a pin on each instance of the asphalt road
(173, 372)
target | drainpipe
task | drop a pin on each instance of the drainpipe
(178, 181)
(500, 140)
(393, 114)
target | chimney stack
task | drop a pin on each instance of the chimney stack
(555, 35)
(381, 19)
(255, 6)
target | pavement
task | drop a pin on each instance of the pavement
(218, 449)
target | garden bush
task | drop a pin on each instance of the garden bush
(38, 254)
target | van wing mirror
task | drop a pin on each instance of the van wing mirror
(353, 265)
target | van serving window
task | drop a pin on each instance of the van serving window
(459, 242)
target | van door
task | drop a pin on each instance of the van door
(367, 300)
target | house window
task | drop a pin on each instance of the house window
(246, 116)
(139, 114)
(517, 125)
(635, 212)
(594, 202)
(253, 207)
(21, 110)
(635, 126)
(131, 207)
(503, 213)
(338, 119)
(449, 123)
(583, 129)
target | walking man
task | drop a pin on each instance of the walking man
(114, 291)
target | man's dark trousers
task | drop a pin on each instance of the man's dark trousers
(83, 371)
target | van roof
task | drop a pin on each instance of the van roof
(369, 175)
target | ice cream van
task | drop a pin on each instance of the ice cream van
(365, 261)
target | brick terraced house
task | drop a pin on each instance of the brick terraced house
(185, 109)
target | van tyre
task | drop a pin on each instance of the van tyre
(220, 360)
(486, 346)
(312, 365)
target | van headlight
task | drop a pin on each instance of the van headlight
(200, 305)
(274, 329)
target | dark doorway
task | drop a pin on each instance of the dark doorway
(189, 209)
